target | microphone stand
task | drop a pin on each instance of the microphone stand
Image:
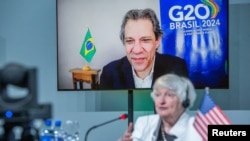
(122, 117)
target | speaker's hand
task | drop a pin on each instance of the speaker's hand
(127, 135)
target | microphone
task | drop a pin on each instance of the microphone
(121, 117)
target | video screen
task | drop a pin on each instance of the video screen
(89, 39)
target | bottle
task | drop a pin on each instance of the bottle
(71, 130)
(58, 132)
(47, 132)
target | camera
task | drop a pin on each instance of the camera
(18, 102)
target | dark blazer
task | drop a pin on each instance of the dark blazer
(118, 74)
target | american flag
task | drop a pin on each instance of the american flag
(209, 114)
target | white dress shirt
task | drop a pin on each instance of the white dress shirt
(146, 82)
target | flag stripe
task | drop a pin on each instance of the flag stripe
(209, 118)
(203, 125)
(213, 116)
(222, 116)
(200, 126)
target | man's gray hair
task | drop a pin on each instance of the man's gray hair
(136, 14)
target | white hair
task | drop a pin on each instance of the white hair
(182, 86)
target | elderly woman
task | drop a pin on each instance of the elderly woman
(172, 96)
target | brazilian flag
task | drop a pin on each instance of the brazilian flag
(88, 47)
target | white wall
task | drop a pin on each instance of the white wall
(103, 18)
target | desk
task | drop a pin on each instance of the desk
(88, 76)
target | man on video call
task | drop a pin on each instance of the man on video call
(141, 36)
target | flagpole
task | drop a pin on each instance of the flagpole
(86, 67)
(207, 90)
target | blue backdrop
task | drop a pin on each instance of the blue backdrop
(197, 31)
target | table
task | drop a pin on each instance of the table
(89, 76)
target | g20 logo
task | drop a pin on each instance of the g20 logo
(178, 13)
